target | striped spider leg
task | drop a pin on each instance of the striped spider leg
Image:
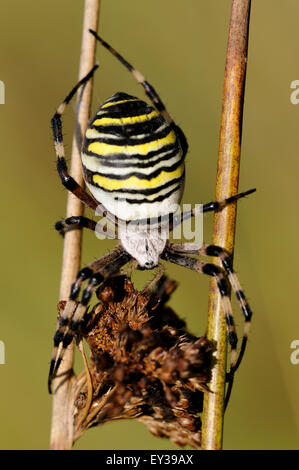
(75, 222)
(74, 311)
(149, 91)
(175, 253)
(212, 206)
(148, 88)
(56, 124)
(68, 181)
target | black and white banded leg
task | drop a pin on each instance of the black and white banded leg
(149, 91)
(176, 254)
(74, 311)
(76, 222)
(212, 206)
(67, 180)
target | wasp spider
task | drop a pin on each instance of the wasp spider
(133, 164)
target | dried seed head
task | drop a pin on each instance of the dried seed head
(144, 364)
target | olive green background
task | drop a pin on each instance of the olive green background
(180, 47)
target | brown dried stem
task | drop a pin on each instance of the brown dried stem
(224, 221)
(62, 414)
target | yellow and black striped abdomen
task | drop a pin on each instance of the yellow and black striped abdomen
(132, 160)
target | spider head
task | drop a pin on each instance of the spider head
(143, 244)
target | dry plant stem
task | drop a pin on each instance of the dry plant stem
(224, 221)
(84, 412)
(62, 418)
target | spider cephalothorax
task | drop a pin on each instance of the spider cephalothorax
(143, 245)
(133, 163)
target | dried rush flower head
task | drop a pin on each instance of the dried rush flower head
(144, 364)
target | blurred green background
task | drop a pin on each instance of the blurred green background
(180, 47)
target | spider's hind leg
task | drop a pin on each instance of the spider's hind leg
(74, 311)
(173, 254)
(176, 254)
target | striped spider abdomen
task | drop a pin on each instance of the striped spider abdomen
(132, 159)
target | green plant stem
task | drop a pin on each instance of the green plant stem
(224, 221)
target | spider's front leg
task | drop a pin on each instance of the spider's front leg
(175, 253)
(76, 222)
(213, 270)
(74, 312)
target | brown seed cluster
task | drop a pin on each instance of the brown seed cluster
(144, 364)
